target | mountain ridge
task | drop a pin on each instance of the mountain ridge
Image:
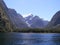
(31, 19)
(55, 20)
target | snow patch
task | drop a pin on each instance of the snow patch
(28, 23)
(26, 15)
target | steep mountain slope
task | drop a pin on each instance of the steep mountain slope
(35, 21)
(55, 20)
(4, 18)
(17, 19)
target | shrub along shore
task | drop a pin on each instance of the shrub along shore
(36, 30)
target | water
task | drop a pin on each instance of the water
(29, 39)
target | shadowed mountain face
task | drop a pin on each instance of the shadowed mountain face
(17, 19)
(55, 20)
(31, 21)
(35, 21)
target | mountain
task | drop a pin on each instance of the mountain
(55, 20)
(45, 22)
(11, 18)
(16, 19)
(29, 17)
(5, 23)
(28, 20)
(35, 21)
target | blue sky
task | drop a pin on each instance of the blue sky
(43, 8)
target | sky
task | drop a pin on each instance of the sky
(45, 9)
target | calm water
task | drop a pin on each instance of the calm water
(29, 39)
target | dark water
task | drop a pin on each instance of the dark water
(29, 39)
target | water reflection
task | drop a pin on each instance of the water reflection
(2, 40)
(30, 39)
(56, 39)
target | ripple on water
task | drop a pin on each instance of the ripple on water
(31, 38)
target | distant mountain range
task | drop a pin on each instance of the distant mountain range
(31, 21)
(19, 22)
(35, 21)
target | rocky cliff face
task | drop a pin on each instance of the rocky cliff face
(55, 20)
(5, 23)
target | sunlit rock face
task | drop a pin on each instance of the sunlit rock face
(17, 20)
(5, 24)
(55, 20)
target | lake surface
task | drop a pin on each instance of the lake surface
(29, 39)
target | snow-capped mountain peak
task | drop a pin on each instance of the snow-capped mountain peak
(26, 15)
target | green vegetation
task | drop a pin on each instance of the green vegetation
(34, 30)
(55, 29)
(38, 30)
